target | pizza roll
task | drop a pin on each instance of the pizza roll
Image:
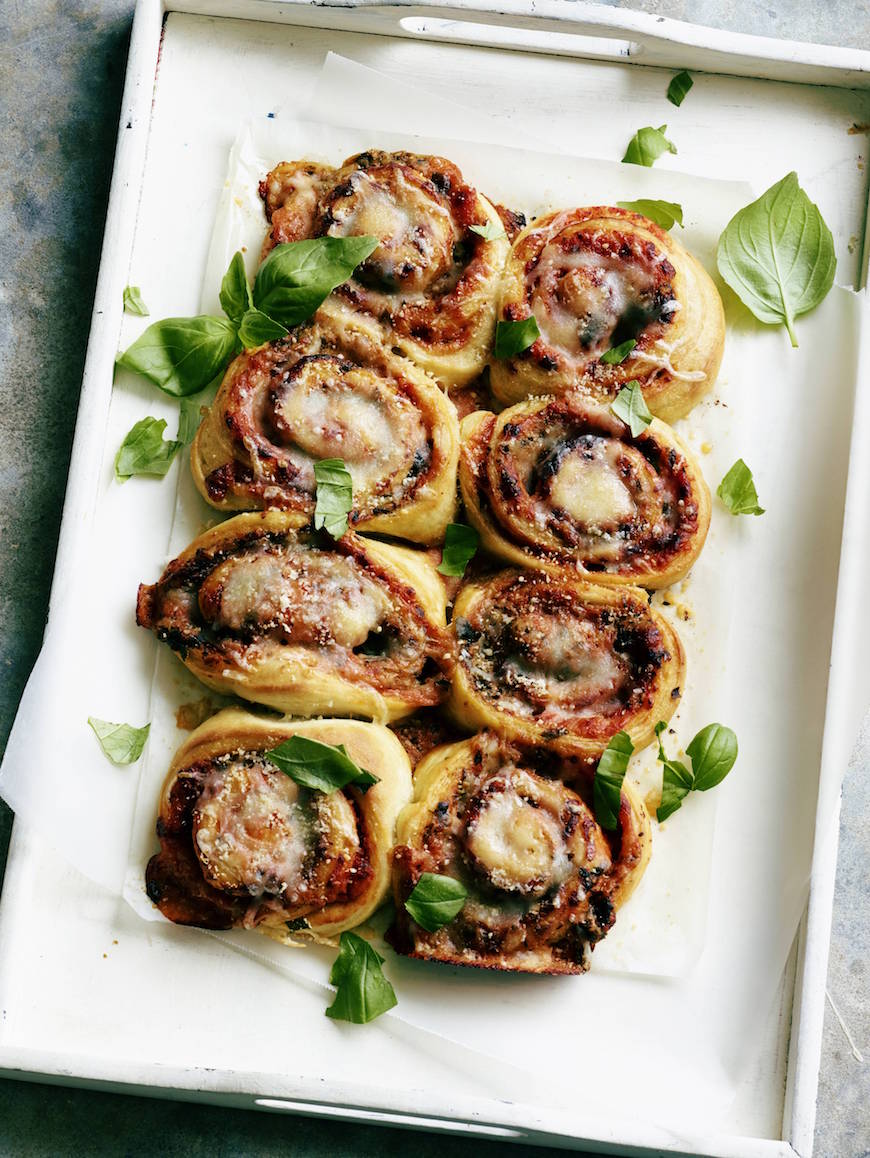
(242, 844)
(431, 283)
(265, 608)
(516, 828)
(330, 389)
(597, 278)
(544, 657)
(562, 482)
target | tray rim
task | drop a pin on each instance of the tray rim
(841, 67)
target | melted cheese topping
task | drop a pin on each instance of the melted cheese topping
(324, 408)
(416, 231)
(591, 492)
(309, 596)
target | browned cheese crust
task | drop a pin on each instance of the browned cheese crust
(515, 826)
(593, 279)
(562, 482)
(431, 282)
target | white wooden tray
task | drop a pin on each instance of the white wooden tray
(77, 1005)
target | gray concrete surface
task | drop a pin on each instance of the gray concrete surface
(61, 72)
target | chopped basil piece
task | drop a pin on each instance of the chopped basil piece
(298, 276)
(647, 145)
(460, 545)
(609, 775)
(322, 767)
(435, 901)
(617, 354)
(737, 491)
(629, 405)
(512, 338)
(489, 232)
(122, 743)
(334, 496)
(133, 303)
(713, 753)
(676, 780)
(778, 256)
(145, 451)
(679, 86)
(257, 328)
(363, 991)
(664, 213)
(182, 355)
(235, 295)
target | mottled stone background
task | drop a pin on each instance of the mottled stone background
(61, 73)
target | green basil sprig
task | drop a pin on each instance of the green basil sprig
(122, 743)
(322, 767)
(145, 451)
(435, 900)
(647, 145)
(713, 752)
(489, 232)
(460, 546)
(512, 338)
(630, 406)
(777, 254)
(363, 992)
(133, 302)
(665, 214)
(334, 496)
(616, 355)
(609, 775)
(182, 355)
(679, 86)
(737, 490)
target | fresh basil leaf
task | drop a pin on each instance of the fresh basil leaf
(778, 256)
(235, 295)
(664, 213)
(609, 775)
(460, 545)
(679, 86)
(512, 338)
(676, 785)
(298, 275)
(323, 767)
(258, 328)
(363, 991)
(189, 418)
(122, 743)
(713, 753)
(133, 303)
(617, 354)
(144, 450)
(489, 232)
(647, 145)
(629, 405)
(334, 496)
(182, 355)
(435, 901)
(737, 491)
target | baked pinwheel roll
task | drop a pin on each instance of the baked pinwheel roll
(597, 278)
(242, 844)
(432, 280)
(265, 608)
(561, 482)
(546, 658)
(516, 829)
(331, 390)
